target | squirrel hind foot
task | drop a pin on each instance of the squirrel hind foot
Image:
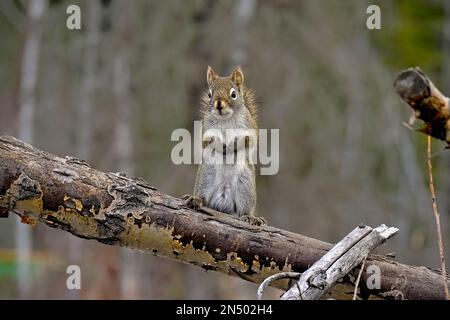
(254, 220)
(193, 201)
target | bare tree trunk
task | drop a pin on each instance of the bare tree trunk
(85, 110)
(88, 85)
(356, 113)
(27, 101)
(243, 13)
(123, 148)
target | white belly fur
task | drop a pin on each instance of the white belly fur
(232, 183)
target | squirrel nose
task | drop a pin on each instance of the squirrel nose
(219, 105)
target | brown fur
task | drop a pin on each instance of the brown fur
(249, 100)
(228, 188)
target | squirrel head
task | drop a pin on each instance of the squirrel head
(225, 94)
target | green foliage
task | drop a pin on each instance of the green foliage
(411, 35)
(9, 44)
(8, 269)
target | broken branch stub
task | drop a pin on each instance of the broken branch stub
(428, 103)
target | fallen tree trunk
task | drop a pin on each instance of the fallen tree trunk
(67, 194)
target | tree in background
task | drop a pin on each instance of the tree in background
(25, 128)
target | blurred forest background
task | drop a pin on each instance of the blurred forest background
(113, 92)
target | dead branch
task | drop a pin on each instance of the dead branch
(278, 276)
(427, 102)
(337, 262)
(363, 264)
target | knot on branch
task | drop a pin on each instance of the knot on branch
(64, 175)
(25, 197)
(318, 280)
(129, 198)
(393, 295)
(25, 188)
(130, 202)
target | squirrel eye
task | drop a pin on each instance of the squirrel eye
(233, 94)
(209, 93)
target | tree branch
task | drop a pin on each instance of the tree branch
(67, 194)
(337, 262)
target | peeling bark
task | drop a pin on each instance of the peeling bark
(67, 194)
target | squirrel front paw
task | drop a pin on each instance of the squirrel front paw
(211, 136)
(207, 141)
(254, 220)
(193, 201)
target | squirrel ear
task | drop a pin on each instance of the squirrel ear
(237, 76)
(210, 75)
